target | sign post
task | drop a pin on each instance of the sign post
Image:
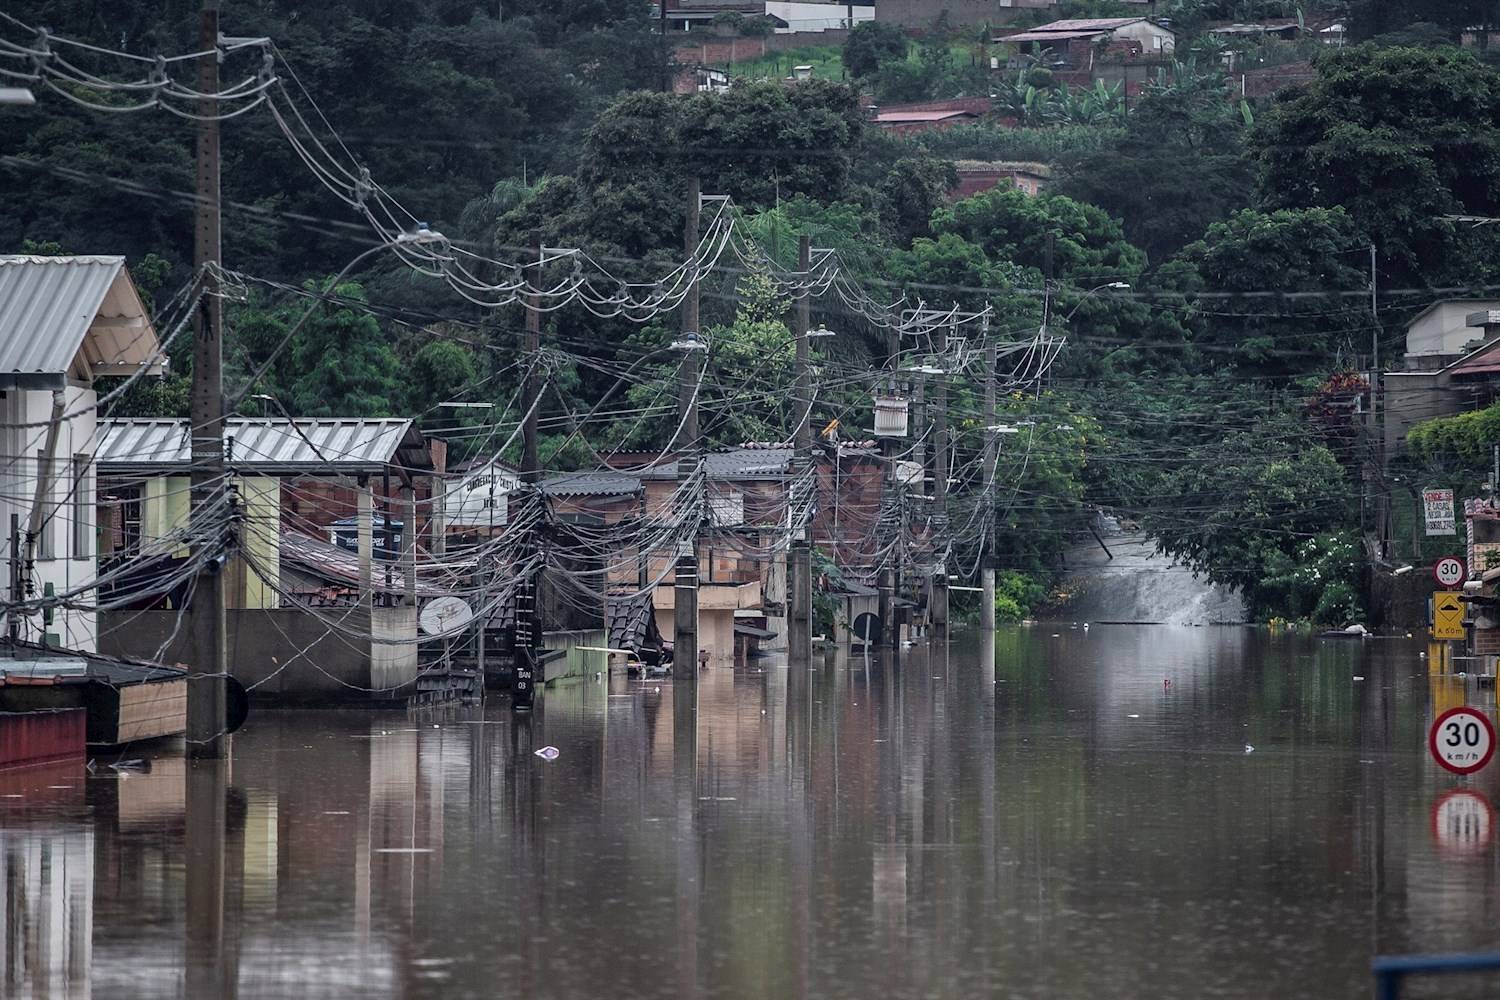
(1437, 506)
(1462, 740)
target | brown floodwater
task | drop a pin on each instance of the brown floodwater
(1058, 812)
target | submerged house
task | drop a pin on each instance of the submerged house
(64, 322)
(281, 644)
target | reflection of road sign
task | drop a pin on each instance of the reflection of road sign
(1447, 615)
(1462, 740)
(867, 627)
(1449, 571)
(1463, 822)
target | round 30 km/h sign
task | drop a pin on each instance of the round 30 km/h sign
(1462, 740)
(1449, 571)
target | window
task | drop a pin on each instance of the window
(44, 547)
(83, 527)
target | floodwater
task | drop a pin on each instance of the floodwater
(1037, 816)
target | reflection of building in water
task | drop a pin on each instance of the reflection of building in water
(47, 923)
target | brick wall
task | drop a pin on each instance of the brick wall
(719, 51)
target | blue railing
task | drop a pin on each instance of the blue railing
(1390, 970)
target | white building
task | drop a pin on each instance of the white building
(64, 321)
(1445, 331)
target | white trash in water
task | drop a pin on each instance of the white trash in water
(548, 753)
(1249, 748)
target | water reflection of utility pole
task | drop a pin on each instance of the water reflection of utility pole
(207, 972)
(689, 865)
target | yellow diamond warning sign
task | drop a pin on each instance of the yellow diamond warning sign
(1447, 615)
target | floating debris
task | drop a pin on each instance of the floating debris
(549, 753)
(1249, 748)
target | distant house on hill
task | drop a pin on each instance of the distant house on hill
(1077, 43)
(919, 15)
(978, 176)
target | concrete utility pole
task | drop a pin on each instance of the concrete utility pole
(685, 596)
(528, 610)
(799, 614)
(208, 661)
(888, 583)
(991, 460)
(938, 610)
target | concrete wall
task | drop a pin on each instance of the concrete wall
(24, 415)
(292, 655)
(578, 662)
(1410, 398)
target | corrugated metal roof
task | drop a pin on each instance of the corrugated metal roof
(897, 117)
(577, 484)
(339, 445)
(1089, 23)
(47, 305)
(737, 463)
(1039, 35)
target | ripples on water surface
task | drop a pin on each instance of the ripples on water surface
(1059, 824)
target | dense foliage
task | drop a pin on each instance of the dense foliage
(1207, 256)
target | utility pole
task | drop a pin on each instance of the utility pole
(208, 662)
(887, 583)
(991, 460)
(938, 609)
(799, 617)
(685, 596)
(528, 611)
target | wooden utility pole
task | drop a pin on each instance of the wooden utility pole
(528, 640)
(938, 609)
(799, 614)
(208, 662)
(685, 596)
(991, 460)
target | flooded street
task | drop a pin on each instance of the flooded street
(1075, 813)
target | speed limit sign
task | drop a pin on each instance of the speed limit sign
(1449, 571)
(1462, 740)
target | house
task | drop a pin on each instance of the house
(978, 176)
(912, 122)
(1080, 43)
(64, 322)
(816, 17)
(921, 15)
(1446, 331)
(281, 646)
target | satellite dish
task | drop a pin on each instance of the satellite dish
(443, 616)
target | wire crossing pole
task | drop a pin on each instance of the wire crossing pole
(799, 617)
(888, 583)
(938, 610)
(685, 596)
(991, 460)
(528, 611)
(206, 625)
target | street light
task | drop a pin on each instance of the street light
(16, 95)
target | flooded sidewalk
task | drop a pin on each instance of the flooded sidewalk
(1119, 811)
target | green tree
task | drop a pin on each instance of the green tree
(1239, 509)
(872, 44)
(1308, 255)
(440, 371)
(1084, 244)
(1400, 138)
